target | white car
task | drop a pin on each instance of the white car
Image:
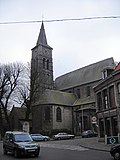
(63, 135)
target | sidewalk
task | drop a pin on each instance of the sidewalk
(93, 143)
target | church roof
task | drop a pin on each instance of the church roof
(83, 75)
(42, 36)
(55, 97)
(86, 100)
(42, 40)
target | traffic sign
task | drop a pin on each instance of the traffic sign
(94, 119)
(112, 140)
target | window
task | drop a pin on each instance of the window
(99, 101)
(47, 64)
(43, 62)
(104, 74)
(106, 102)
(78, 93)
(105, 99)
(58, 115)
(112, 97)
(118, 86)
(88, 91)
(47, 113)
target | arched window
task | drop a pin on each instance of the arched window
(47, 113)
(43, 62)
(58, 114)
(47, 64)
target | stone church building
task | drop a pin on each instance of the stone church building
(68, 103)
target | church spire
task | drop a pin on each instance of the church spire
(42, 36)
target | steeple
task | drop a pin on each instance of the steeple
(41, 65)
(42, 36)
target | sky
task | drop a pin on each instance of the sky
(75, 43)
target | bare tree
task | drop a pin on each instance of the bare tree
(26, 90)
(22, 94)
(10, 76)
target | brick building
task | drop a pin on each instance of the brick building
(108, 103)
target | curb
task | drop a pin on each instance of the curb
(97, 149)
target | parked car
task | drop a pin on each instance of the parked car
(89, 133)
(40, 137)
(60, 136)
(115, 151)
(19, 144)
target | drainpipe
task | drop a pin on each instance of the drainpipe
(82, 120)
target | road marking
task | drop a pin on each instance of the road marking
(61, 146)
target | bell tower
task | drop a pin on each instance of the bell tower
(41, 66)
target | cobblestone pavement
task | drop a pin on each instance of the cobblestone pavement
(79, 144)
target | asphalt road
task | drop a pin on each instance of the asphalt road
(64, 154)
(56, 151)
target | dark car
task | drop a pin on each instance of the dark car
(89, 133)
(40, 137)
(115, 151)
(60, 136)
(19, 144)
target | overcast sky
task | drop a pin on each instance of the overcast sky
(75, 43)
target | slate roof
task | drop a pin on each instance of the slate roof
(42, 40)
(42, 36)
(83, 75)
(55, 97)
(85, 108)
(86, 100)
(107, 79)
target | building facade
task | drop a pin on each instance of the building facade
(80, 83)
(108, 103)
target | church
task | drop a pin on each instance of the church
(68, 103)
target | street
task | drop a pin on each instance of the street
(62, 150)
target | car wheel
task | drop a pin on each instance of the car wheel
(59, 138)
(45, 139)
(16, 155)
(37, 154)
(116, 155)
(4, 151)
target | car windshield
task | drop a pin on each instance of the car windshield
(62, 133)
(23, 138)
